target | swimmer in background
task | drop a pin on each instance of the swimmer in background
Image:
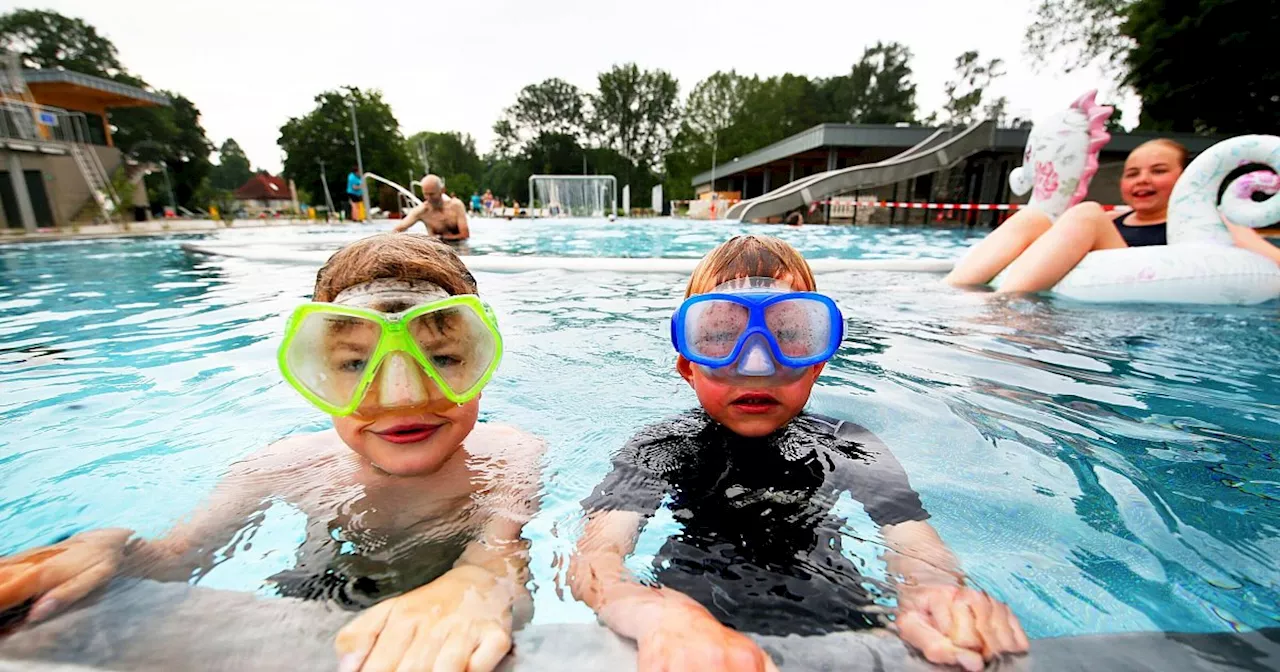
(754, 481)
(355, 194)
(414, 508)
(444, 217)
(1039, 253)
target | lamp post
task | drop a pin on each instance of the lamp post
(355, 132)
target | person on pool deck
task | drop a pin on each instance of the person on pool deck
(1039, 253)
(753, 480)
(444, 217)
(475, 203)
(415, 509)
(487, 201)
(355, 193)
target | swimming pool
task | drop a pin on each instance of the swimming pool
(629, 237)
(1100, 469)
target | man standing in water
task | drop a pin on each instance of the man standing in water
(444, 217)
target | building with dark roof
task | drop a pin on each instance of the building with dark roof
(58, 160)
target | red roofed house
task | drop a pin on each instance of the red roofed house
(264, 194)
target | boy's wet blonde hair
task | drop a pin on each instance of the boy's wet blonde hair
(751, 256)
(403, 256)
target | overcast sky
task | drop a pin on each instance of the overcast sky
(251, 65)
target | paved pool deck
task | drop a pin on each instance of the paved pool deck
(144, 625)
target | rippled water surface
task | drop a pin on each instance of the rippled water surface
(1101, 469)
(644, 238)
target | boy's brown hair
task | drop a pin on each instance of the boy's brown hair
(406, 256)
(750, 256)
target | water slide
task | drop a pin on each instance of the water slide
(941, 149)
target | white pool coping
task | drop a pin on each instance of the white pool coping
(144, 625)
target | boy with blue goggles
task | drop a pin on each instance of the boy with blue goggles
(757, 330)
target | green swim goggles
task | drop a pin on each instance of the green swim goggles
(332, 354)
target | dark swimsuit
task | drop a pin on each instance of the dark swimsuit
(761, 539)
(1141, 236)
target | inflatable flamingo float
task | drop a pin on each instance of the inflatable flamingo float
(1200, 264)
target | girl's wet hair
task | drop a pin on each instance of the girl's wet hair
(750, 256)
(405, 256)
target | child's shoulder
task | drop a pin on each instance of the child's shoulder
(501, 442)
(295, 451)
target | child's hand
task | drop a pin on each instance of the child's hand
(688, 639)
(951, 625)
(62, 573)
(458, 622)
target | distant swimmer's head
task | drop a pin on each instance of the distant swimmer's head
(753, 334)
(396, 347)
(433, 190)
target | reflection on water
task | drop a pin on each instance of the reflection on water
(1100, 469)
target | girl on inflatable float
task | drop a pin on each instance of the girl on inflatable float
(1035, 253)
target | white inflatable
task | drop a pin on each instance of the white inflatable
(1061, 157)
(1200, 264)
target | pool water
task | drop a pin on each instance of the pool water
(644, 238)
(1101, 469)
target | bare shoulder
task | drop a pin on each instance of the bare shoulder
(456, 205)
(292, 453)
(498, 440)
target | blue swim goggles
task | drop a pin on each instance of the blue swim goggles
(757, 332)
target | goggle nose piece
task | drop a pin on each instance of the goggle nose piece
(400, 382)
(756, 359)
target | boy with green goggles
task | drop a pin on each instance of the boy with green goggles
(415, 508)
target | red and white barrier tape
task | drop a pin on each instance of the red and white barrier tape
(934, 206)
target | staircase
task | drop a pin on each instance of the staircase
(104, 194)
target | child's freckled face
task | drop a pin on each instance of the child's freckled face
(749, 411)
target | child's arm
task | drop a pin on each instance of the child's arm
(667, 625)
(462, 620)
(950, 623)
(55, 576)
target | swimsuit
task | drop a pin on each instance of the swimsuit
(761, 542)
(1142, 236)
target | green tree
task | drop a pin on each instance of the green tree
(448, 153)
(878, 89)
(714, 105)
(967, 93)
(172, 135)
(552, 106)
(324, 134)
(1080, 33)
(636, 112)
(233, 168)
(1231, 92)
(44, 39)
